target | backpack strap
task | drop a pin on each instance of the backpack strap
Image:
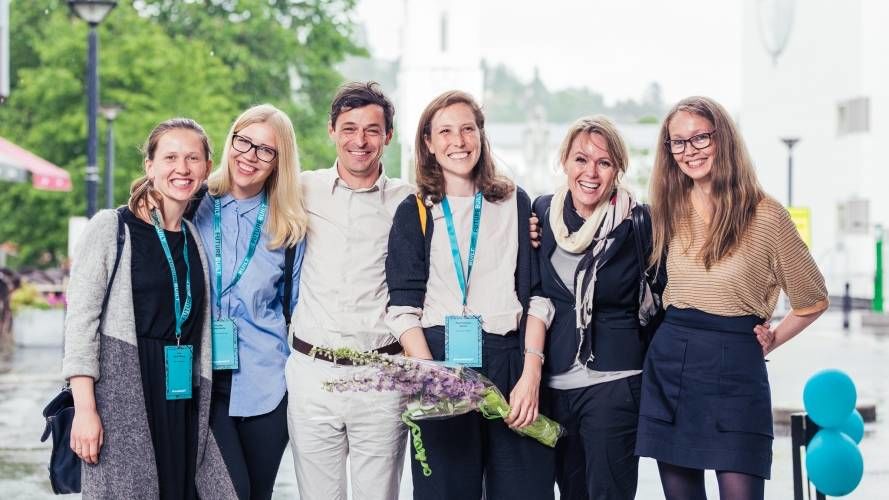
(421, 208)
(289, 259)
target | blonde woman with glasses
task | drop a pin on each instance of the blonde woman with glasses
(253, 225)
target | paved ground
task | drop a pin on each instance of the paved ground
(30, 376)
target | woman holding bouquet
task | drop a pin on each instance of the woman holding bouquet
(730, 250)
(590, 269)
(462, 289)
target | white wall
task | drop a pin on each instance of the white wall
(426, 70)
(836, 51)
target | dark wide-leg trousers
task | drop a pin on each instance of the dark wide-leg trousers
(471, 456)
(595, 460)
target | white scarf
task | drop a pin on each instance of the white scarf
(593, 239)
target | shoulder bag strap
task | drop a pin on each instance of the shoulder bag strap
(121, 238)
(289, 259)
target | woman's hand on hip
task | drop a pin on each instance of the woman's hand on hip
(765, 336)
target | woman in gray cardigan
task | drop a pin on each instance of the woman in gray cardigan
(139, 368)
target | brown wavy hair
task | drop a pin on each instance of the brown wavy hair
(430, 179)
(734, 188)
(143, 196)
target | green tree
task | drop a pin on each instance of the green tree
(280, 51)
(205, 59)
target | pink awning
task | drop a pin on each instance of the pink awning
(44, 175)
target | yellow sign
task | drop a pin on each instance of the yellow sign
(802, 219)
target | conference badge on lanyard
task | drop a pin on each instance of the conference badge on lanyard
(177, 358)
(177, 362)
(225, 332)
(463, 333)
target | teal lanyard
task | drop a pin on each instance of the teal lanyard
(473, 241)
(217, 259)
(183, 311)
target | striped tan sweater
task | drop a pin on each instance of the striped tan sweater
(770, 257)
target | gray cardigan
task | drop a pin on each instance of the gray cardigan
(102, 345)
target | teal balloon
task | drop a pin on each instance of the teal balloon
(853, 426)
(834, 463)
(829, 398)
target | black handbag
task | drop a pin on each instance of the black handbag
(64, 464)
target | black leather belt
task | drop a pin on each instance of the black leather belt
(306, 348)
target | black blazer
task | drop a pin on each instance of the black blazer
(614, 336)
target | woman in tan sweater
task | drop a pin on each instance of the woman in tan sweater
(730, 249)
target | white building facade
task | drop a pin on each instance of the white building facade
(440, 51)
(829, 88)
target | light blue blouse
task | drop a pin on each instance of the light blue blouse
(254, 304)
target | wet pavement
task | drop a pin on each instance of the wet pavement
(30, 376)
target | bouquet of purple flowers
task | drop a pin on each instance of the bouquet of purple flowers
(435, 390)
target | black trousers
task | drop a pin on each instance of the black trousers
(595, 460)
(471, 456)
(251, 446)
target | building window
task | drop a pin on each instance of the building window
(853, 115)
(853, 216)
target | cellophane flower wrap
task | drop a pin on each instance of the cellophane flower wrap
(435, 390)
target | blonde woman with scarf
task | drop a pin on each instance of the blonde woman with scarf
(589, 268)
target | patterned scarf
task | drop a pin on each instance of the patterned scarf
(592, 239)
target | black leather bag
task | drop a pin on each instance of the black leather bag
(651, 286)
(64, 464)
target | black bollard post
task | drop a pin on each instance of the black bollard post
(847, 306)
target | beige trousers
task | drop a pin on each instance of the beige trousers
(326, 427)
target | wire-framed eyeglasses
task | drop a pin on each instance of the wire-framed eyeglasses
(699, 141)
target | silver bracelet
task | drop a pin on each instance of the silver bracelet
(537, 353)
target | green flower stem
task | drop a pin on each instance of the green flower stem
(543, 429)
(418, 444)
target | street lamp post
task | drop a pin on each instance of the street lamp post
(93, 12)
(790, 142)
(109, 112)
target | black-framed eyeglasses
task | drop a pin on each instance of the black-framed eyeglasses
(700, 141)
(244, 145)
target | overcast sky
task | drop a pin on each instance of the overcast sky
(614, 47)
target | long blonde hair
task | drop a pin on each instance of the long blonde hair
(143, 195)
(734, 188)
(287, 219)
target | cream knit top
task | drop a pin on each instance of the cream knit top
(770, 257)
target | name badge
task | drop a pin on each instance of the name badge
(177, 360)
(225, 345)
(463, 340)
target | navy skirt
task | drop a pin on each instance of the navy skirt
(705, 401)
